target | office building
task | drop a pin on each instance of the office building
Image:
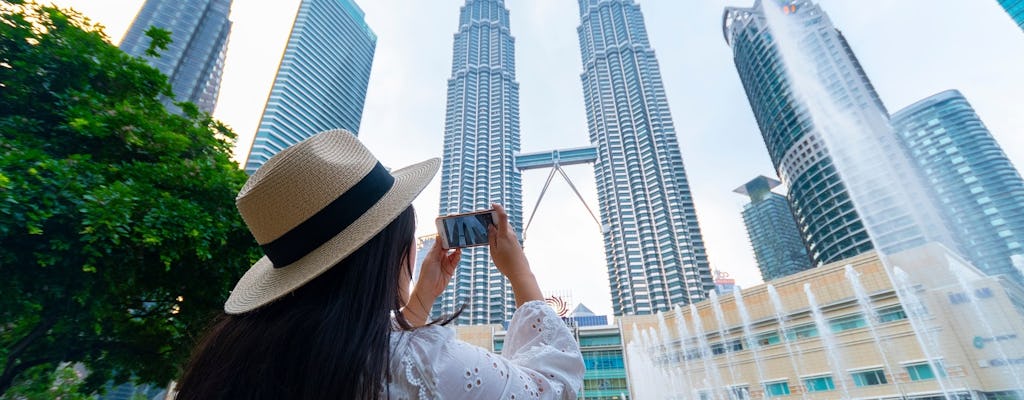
(980, 192)
(772, 230)
(827, 133)
(653, 246)
(194, 60)
(1016, 10)
(322, 80)
(481, 134)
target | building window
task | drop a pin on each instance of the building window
(802, 332)
(603, 360)
(924, 371)
(739, 393)
(766, 339)
(848, 322)
(600, 341)
(869, 378)
(605, 384)
(819, 384)
(958, 298)
(776, 389)
(889, 314)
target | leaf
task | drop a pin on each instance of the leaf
(159, 40)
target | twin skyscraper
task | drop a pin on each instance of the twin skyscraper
(653, 247)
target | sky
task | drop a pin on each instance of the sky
(910, 49)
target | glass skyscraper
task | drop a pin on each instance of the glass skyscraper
(846, 145)
(653, 246)
(322, 80)
(773, 233)
(481, 134)
(1016, 10)
(194, 61)
(980, 191)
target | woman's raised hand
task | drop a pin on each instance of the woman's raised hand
(510, 259)
(435, 273)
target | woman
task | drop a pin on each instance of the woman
(328, 313)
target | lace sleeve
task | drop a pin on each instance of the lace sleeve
(537, 337)
(541, 360)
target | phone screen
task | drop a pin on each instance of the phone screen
(467, 230)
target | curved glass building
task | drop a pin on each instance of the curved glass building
(860, 152)
(322, 80)
(982, 194)
(653, 245)
(481, 135)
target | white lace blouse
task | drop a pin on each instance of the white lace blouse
(540, 360)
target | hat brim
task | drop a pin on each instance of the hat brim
(263, 283)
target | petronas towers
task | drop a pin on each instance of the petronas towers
(653, 247)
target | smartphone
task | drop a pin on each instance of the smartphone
(465, 230)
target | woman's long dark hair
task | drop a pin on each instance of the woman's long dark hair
(328, 339)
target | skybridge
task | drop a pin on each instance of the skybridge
(555, 159)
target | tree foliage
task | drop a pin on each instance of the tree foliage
(118, 232)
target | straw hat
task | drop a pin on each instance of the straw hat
(313, 204)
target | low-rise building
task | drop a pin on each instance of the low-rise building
(927, 326)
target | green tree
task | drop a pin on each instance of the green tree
(119, 238)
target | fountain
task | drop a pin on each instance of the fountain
(741, 306)
(642, 368)
(705, 355)
(829, 341)
(917, 313)
(723, 334)
(870, 316)
(684, 354)
(780, 316)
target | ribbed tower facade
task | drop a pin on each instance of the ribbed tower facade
(322, 80)
(653, 246)
(981, 193)
(1016, 10)
(481, 135)
(773, 233)
(194, 61)
(827, 134)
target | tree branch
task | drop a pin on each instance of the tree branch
(37, 331)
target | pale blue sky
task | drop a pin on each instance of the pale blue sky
(910, 49)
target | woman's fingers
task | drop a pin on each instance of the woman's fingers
(502, 217)
(451, 260)
(436, 249)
